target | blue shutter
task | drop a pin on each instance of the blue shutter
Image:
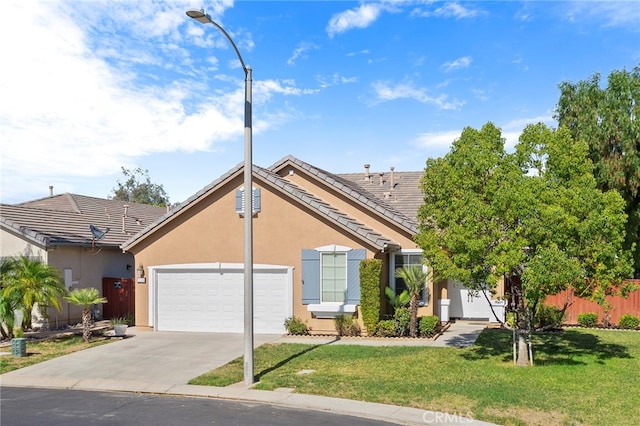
(310, 277)
(256, 200)
(354, 257)
(239, 203)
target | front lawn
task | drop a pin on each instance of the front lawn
(47, 349)
(585, 377)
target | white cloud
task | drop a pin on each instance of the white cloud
(334, 80)
(300, 52)
(624, 14)
(449, 10)
(388, 92)
(67, 112)
(360, 17)
(459, 63)
(440, 141)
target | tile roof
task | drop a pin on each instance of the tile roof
(325, 209)
(405, 196)
(64, 219)
(287, 187)
(399, 205)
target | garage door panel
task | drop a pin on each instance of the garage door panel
(213, 301)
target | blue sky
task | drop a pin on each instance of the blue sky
(87, 87)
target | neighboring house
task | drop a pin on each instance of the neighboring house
(311, 229)
(56, 229)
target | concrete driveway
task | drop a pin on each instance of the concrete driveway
(145, 357)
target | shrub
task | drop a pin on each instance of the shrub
(402, 317)
(428, 326)
(346, 326)
(588, 319)
(629, 322)
(370, 270)
(386, 328)
(547, 316)
(296, 326)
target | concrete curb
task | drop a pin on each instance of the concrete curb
(374, 411)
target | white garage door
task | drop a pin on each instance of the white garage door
(211, 299)
(465, 303)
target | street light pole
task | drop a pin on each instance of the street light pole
(203, 18)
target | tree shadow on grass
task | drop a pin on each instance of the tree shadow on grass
(289, 359)
(557, 348)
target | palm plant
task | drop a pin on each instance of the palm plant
(414, 278)
(7, 305)
(30, 283)
(85, 297)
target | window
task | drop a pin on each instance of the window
(407, 259)
(333, 277)
(331, 280)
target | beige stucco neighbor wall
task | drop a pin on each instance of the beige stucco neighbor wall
(14, 245)
(88, 266)
(212, 231)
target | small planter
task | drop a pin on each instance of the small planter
(19, 346)
(120, 329)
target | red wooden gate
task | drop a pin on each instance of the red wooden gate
(120, 294)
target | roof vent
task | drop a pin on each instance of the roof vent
(381, 178)
(50, 190)
(391, 183)
(367, 175)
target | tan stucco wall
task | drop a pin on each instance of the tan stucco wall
(213, 232)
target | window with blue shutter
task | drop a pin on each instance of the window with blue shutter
(331, 276)
(240, 201)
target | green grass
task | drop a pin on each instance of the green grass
(588, 377)
(47, 349)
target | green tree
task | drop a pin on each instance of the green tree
(138, 188)
(32, 282)
(415, 280)
(608, 120)
(536, 213)
(85, 297)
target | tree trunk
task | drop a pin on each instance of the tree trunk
(523, 353)
(86, 325)
(414, 316)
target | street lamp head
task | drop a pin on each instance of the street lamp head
(199, 16)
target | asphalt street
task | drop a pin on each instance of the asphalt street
(51, 407)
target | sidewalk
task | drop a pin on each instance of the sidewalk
(163, 362)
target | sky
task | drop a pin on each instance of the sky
(88, 87)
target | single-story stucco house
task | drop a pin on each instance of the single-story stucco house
(311, 228)
(57, 230)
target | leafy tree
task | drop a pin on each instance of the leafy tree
(608, 120)
(85, 297)
(415, 279)
(32, 282)
(138, 188)
(536, 213)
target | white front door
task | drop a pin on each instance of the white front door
(466, 303)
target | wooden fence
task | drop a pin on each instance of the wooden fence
(577, 305)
